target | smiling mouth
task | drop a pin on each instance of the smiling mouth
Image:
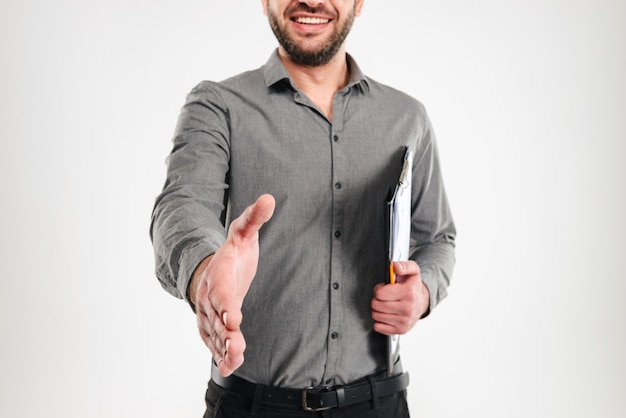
(311, 20)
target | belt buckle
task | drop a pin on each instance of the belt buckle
(313, 389)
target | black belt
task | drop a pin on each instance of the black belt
(315, 398)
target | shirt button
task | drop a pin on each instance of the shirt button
(337, 185)
(335, 138)
(334, 335)
(335, 285)
(337, 234)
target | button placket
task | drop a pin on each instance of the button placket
(338, 190)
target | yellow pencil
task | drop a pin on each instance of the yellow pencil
(392, 274)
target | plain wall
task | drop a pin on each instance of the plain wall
(528, 100)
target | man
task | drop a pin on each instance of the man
(295, 160)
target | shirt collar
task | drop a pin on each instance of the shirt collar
(274, 71)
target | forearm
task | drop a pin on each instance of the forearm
(433, 232)
(182, 237)
(189, 215)
(436, 263)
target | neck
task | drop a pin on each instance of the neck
(328, 78)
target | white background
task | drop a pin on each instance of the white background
(528, 99)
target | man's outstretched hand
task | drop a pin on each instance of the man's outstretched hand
(221, 281)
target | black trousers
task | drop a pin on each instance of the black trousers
(222, 403)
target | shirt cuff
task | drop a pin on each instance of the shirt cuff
(190, 259)
(436, 292)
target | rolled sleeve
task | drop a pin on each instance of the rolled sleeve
(189, 215)
(433, 231)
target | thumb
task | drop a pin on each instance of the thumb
(253, 218)
(406, 270)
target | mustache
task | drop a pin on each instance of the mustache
(305, 8)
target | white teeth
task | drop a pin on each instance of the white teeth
(312, 20)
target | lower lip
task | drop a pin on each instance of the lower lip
(309, 28)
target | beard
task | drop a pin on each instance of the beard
(313, 57)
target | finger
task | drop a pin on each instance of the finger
(388, 292)
(255, 215)
(233, 352)
(405, 269)
(230, 357)
(384, 317)
(397, 309)
(231, 343)
(213, 326)
(385, 323)
(385, 329)
(226, 346)
(209, 342)
(223, 302)
(209, 337)
(227, 365)
(226, 341)
(232, 317)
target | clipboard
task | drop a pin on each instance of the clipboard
(399, 233)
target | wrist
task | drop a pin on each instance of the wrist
(194, 283)
(425, 296)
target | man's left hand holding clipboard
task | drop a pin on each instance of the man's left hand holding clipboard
(398, 305)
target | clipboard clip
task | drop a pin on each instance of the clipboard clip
(403, 181)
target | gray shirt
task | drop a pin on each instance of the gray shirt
(307, 316)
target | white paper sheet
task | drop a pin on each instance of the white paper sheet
(399, 237)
